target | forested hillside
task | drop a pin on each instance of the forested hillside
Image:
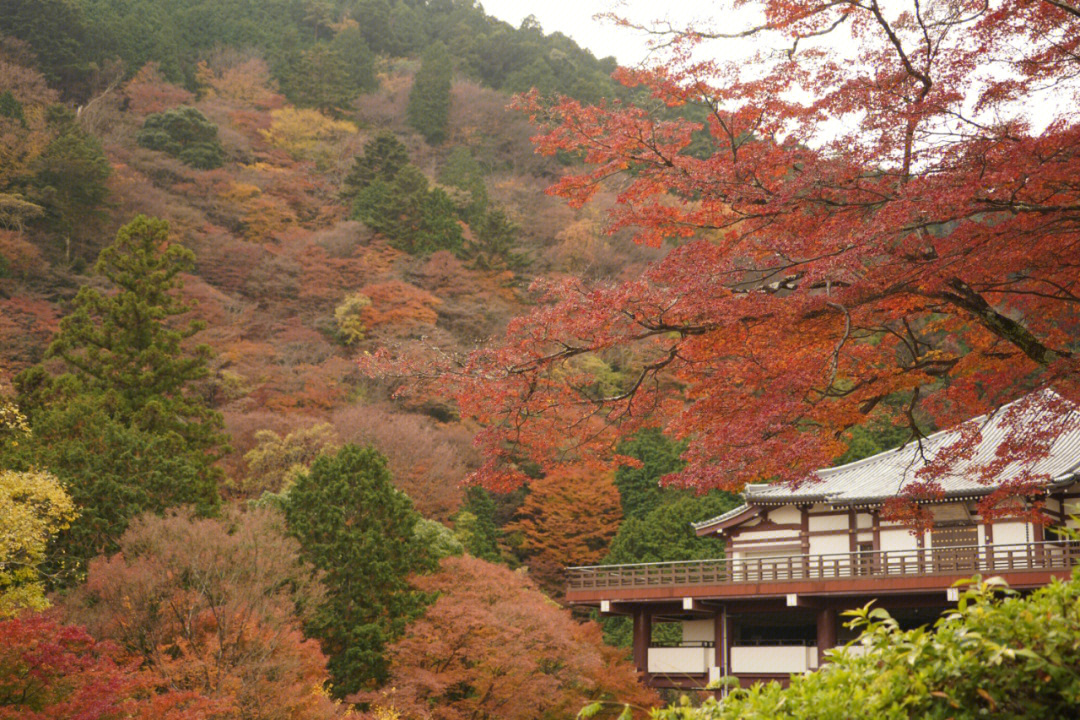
(208, 212)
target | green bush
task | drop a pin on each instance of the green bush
(186, 134)
(998, 654)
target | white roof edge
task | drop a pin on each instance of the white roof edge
(1072, 474)
(721, 517)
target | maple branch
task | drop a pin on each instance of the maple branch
(965, 297)
(1075, 12)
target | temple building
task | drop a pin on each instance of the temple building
(798, 557)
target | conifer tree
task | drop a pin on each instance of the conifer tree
(123, 345)
(384, 155)
(358, 530)
(429, 101)
(124, 429)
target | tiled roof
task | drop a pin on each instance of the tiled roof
(882, 476)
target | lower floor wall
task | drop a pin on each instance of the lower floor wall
(753, 645)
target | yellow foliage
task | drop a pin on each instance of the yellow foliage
(12, 423)
(349, 317)
(242, 191)
(33, 508)
(306, 134)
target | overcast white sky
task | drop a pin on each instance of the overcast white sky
(603, 38)
(575, 18)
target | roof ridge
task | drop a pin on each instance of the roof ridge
(936, 434)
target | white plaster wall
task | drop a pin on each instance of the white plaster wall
(771, 658)
(680, 660)
(1011, 533)
(828, 522)
(751, 537)
(699, 630)
(897, 538)
(828, 544)
(785, 515)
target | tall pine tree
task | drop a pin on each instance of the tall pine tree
(429, 101)
(357, 529)
(124, 428)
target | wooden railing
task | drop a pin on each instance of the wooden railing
(884, 563)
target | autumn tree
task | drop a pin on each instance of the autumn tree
(51, 671)
(493, 646)
(568, 518)
(429, 101)
(210, 606)
(275, 461)
(358, 530)
(886, 225)
(33, 508)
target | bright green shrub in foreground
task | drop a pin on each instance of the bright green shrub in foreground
(997, 655)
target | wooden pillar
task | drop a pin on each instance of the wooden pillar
(720, 638)
(875, 516)
(642, 639)
(1039, 536)
(804, 539)
(826, 632)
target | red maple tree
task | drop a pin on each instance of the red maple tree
(868, 231)
(49, 670)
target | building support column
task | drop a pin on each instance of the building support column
(826, 633)
(642, 639)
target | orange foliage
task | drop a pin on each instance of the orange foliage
(428, 460)
(21, 257)
(58, 672)
(149, 92)
(229, 632)
(399, 304)
(247, 81)
(493, 646)
(568, 518)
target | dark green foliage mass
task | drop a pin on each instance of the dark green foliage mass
(475, 524)
(112, 471)
(665, 533)
(657, 521)
(11, 108)
(462, 171)
(429, 100)
(640, 487)
(70, 177)
(186, 134)
(330, 75)
(124, 345)
(392, 197)
(357, 529)
(58, 33)
(384, 155)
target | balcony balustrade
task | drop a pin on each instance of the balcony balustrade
(983, 559)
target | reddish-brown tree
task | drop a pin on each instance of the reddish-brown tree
(209, 606)
(493, 646)
(876, 236)
(50, 671)
(568, 518)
